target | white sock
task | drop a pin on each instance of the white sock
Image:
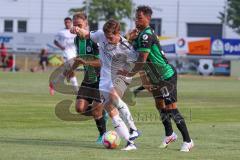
(120, 127)
(125, 113)
(74, 82)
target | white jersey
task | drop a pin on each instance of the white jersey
(66, 39)
(113, 58)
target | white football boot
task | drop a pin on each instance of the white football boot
(129, 146)
(168, 139)
(186, 147)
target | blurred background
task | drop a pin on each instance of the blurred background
(198, 37)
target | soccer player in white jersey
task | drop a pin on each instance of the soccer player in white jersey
(115, 53)
(64, 40)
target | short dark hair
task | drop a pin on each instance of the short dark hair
(67, 18)
(111, 27)
(146, 10)
(80, 15)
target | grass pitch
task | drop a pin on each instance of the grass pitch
(29, 128)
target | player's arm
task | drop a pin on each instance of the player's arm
(145, 81)
(142, 58)
(143, 50)
(92, 62)
(80, 32)
(58, 45)
(80, 61)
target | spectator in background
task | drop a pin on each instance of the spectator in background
(43, 59)
(9, 64)
(3, 53)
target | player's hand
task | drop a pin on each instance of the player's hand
(148, 87)
(80, 32)
(74, 29)
(131, 35)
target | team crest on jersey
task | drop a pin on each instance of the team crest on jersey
(145, 37)
(89, 49)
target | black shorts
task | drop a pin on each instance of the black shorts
(166, 90)
(89, 92)
(42, 60)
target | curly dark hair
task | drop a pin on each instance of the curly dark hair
(67, 18)
(146, 10)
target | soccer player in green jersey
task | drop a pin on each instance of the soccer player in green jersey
(88, 56)
(160, 74)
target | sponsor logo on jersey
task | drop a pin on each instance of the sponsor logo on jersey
(145, 37)
(89, 49)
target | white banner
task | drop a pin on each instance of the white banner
(28, 42)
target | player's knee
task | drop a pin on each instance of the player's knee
(160, 104)
(80, 106)
(112, 111)
(79, 109)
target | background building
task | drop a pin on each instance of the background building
(170, 18)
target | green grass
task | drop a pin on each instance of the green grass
(29, 128)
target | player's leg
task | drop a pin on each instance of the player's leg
(119, 126)
(97, 112)
(125, 115)
(170, 100)
(117, 122)
(82, 106)
(170, 136)
(89, 92)
(181, 125)
(73, 78)
(116, 93)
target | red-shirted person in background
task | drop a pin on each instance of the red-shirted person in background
(3, 53)
(10, 62)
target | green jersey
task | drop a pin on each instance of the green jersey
(88, 50)
(157, 66)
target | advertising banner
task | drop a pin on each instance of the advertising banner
(225, 47)
(29, 42)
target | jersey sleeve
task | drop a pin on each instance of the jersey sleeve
(95, 36)
(58, 37)
(76, 44)
(145, 43)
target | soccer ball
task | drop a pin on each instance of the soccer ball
(111, 140)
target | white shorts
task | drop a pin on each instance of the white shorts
(69, 54)
(107, 85)
(68, 63)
